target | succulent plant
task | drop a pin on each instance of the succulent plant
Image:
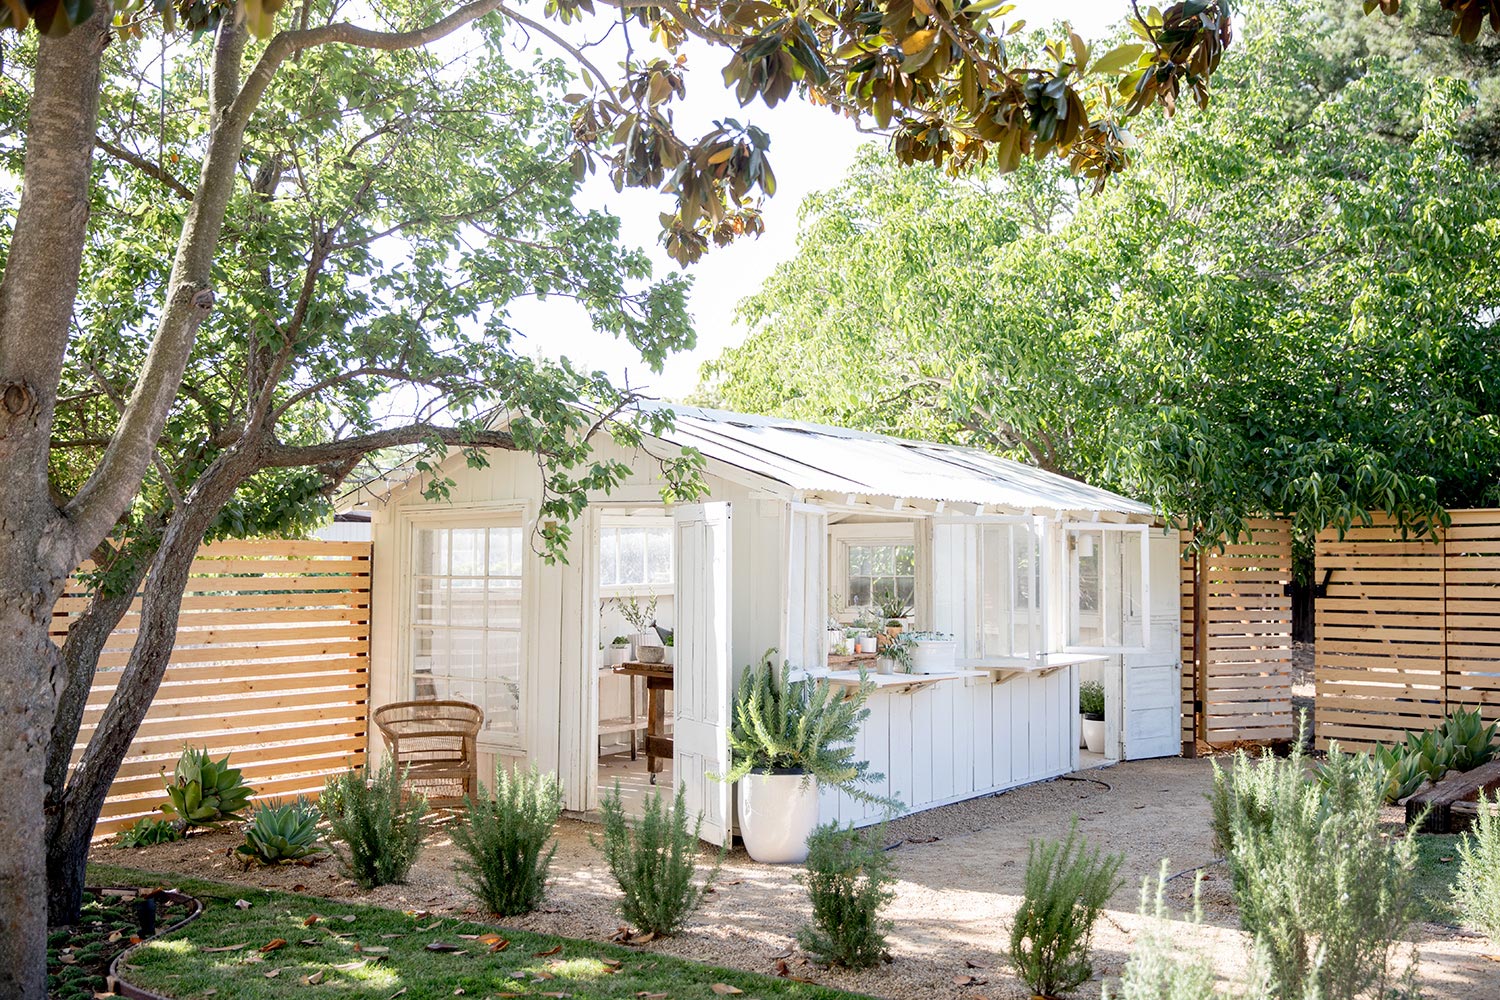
(279, 832)
(1405, 771)
(203, 791)
(1468, 741)
(148, 832)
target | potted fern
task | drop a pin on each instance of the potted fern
(788, 738)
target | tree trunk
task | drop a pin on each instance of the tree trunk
(79, 806)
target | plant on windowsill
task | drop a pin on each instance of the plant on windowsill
(894, 611)
(932, 652)
(1091, 714)
(788, 738)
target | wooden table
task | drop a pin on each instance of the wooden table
(658, 682)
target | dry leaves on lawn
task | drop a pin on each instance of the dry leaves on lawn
(314, 979)
(228, 947)
(442, 946)
(550, 951)
(272, 945)
(725, 990)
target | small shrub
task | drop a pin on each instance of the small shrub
(376, 826)
(281, 832)
(203, 791)
(506, 838)
(148, 832)
(848, 878)
(1067, 887)
(654, 862)
(1326, 897)
(1476, 893)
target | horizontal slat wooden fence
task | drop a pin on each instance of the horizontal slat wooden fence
(1408, 629)
(271, 666)
(1237, 638)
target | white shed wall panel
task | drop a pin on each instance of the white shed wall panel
(955, 740)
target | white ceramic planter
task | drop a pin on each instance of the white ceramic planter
(867, 644)
(1093, 735)
(1081, 741)
(778, 812)
(885, 665)
(934, 656)
(616, 655)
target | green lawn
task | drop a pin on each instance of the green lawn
(1435, 876)
(356, 952)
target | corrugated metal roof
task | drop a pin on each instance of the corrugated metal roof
(832, 460)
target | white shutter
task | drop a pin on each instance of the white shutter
(804, 636)
(1152, 694)
(704, 675)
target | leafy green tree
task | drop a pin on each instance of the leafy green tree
(1289, 308)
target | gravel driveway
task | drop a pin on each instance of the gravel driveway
(960, 870)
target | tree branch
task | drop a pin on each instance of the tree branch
(279, 456)
(146, 167)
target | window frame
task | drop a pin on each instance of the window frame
(517, 514)
(842, 536)
(1072, 585)
(663, 523)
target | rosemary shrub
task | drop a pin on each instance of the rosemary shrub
(848, 879)
(1067, 886)
(1476, 893)
(1326, 896)
(507, 840)
(654, 861)
(375, 825)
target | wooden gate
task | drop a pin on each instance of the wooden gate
(1408, 629)
(271, 665)
(1237, 639)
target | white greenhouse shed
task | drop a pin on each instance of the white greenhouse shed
(1043, 581)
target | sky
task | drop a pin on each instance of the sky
(811, 150)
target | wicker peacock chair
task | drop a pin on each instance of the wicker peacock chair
(435, 742)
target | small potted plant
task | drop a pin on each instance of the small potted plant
(893, 611)
(619, 650)
(849, 641)
(787, 739)
(642, 620)
(895, 657)
(869, 626)
(933, 652)
(670, 645)
(1091, 713)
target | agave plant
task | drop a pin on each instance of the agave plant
(1467, 740)
(203, 791)
(807, 726)
(279, 832)
(148, 832)
(1404, 771)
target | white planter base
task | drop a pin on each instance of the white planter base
(777, 814)
(1093, 735)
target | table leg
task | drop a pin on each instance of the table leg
(633, 741)
(656, 725)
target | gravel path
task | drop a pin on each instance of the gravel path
(960, 870)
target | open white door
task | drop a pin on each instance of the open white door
(805, 635)
(1150, 686)
(704, 673)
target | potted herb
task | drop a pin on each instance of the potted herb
(933, 652)
(868, 626)
(893, 611)
(642, 619)
(1091, 712)
(895, 657)
(670, 642)
(849, 641)
(619, 650)
(788, 738)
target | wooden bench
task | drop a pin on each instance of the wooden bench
(1453, 802)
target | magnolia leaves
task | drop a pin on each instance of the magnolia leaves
(1468, 15)
(58, 17)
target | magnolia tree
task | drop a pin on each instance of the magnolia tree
(208, 324)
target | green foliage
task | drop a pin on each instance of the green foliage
(203, 791)
(148, 832)
(805, 726)
(892, 608)
(1091, 699)
(900, 649)
(282, 831)
(375, 824)
(654, 861)
(1067, 887)
(848, 878)
(507, 839)
(1467, 740)
(1476, 893)
(1262, 382)
(1294, 844)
